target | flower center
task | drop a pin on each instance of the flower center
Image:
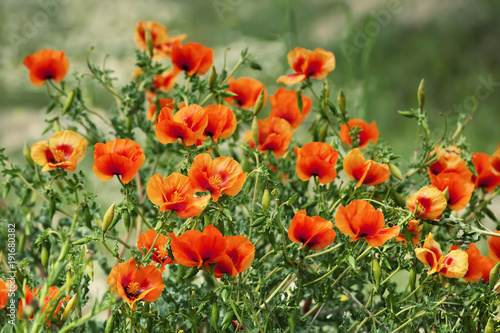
(59, 156)
(132, 290)
(161, 252)
(216, 180)
(176, 197)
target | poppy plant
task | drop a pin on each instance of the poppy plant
(248, 91)
(367, 132)
(361, 220)
(485, 177)
(238, 256)
(459, 191)
(195, 248)
(306, 63)
(64, 150)
(186, 124)
(134, 284)
(122, 157)
(427, 203)
(222, 175)
(52, 295)
(365, 172)
(275, 134)
(46, 65)
(284, 104)
(452, 265)
(414, 229)
(448, 160)
(176, 192)
(160, 252)
(162, 44)
(316, 159)
(192, 58)
(221, 122)
(314, 232)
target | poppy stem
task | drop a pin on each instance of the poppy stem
(414, 291)
(238, 64)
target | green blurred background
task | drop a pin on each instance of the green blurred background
(382, 49)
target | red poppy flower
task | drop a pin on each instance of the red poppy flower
(162, 44)
(134, 284)
(459, 191)
(47, 64)
(367, 133)
(476, 263)
(485, 177)
(448, 160)
(160, 253)
(495, 161)
(122, 157)
(64, 150)
(275, 134)
(414, 229)
(221, 122)
(453, 265)
(314, 232)
(193, 58)
(427, 203)
(165, 81)
(316, 159)
(494, 247)
(29, 295)
(176, 192)
(365, 172)
(284, 105)
(307, 63)
(188, 124)
(195, 248)
(248, 91)
(222, 175)
(361, 219)
(4, 294)
(238, 256)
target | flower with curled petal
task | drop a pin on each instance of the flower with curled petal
(47, 65)
(306, 63)
(192, 58)
(314, 232)
(186, 124)
(238, 256)
(316, 159)
(367, 132)
(427, 203)
(247, 90)
(369, 173)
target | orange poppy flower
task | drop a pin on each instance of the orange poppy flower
(427, 203)
(453, 265)
(4, 294)
(188, 124)
(64, 150)
(29, 296)
(160, 253)
(365, 172)
(314, 232)
(448, 160)
(316, 159)
(176, 192)
(165, 81)
(134, 284)
(307, 63)
(248, 91)
(459, 191)
(47, 65)
(164, 102)
(193, 58)
(495, 161)
(367, 133)
(476, 262)
(222, 175)
(494, 247)
(485, 177)
(274, 134)
(195, 248)
(122, 157)
(238, 256)
(284, 105)
(414, 229)
(221, 122)
(361, 219)
(162, 44)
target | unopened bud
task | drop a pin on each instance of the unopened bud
(377, 272)
(27, 154)
(108, 218)
(215, 315)
(342, 102)
(323, 132)
(69, 308)
(149, 42)
(109, 324)
(490, 326)
(412, 279)
(255, 131)
(69, 102)
(446, 193)
(421, 94)
(126, 219)
(494, 275)
(259, 103)
(395, 171)
(44, 256)
(212, 79)
(266, 199)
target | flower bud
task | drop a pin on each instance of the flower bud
(27, 154)
(69, 308)
(490, 326)
(52, 206)
(149, 42)
(258, 221)
(342, 102)
(446, 193)
(494, 275)
(89, 267)
(44, 256)
(215, 315)
(126, 219)
(266, 199)
(69, 102)
(212, 79)
(412, 279)
(109, 324)
(226, 321)
(395, 171)
(323, 132)
(421, 94)
(108, 218)
(377, 272)
(259, 104)
(255, 131)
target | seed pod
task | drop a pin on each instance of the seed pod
(129, 122)
(191, 273)
(299, 100)
(226, 321)
(342, 102)
(291, 322)
(22, 241)
(266, 199)
(421, 94)
(69, 102)
(69, 308)
(206, 220)
(149, 42)
(323, 132)
(259, 103)
(395, 171)
(52, 207)
(27, 154)
(258, 221)
(494, 275)
(412, 279)
(255, 131)
(215, 315)
(109, 324)
(87, 217)
(126, 219)
(6, 189)
(407, 114)
(108, 218)
(181, 270)
(44, 256)
(26, 196)
(377, 272)
(399, 199)
(212, 79)
(490, 327)
(245, 165)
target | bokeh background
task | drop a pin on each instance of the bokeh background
(382, 49)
